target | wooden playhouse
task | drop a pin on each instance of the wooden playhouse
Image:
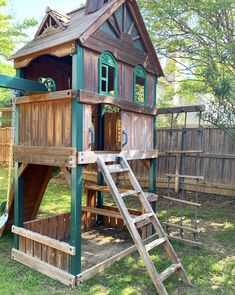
(103, 66)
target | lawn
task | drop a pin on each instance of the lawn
(211, 269)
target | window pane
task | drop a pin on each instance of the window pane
(104, 71)
(111, 79)
(139, 89)
(104, 86)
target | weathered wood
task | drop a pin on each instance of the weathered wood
(185, 176)
(51, 156)
(169, 271)
(189, 243)
(187, 228)
(59, 51)
(95, 98)
(61, 246)
(182, 201)
(65, 94)
(91, 272)
(91, 157)
(45, 268)
(181, 109)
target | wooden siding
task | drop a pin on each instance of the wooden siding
(56, 227)
(5, 137)
(139, 129)
(46, 123)
(125, 78)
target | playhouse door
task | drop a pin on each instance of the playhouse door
(112, 130)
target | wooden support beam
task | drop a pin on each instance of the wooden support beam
(44, 268)
(88, 97)
(65, 94)
(53, 243)
(52, 156)
(76, 171)
(17, 83)
(182, 109)
(90, 157)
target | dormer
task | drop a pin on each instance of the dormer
(53, 22)
(94, 5)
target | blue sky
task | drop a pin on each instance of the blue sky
(22, 9)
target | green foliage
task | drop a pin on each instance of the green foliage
(198, 35)
(12, 35)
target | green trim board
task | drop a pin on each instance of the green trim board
(139, 76)
(18, 83)
(19, 192)
(108, 74)
(76, 174)
(152, 187)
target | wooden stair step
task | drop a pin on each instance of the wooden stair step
(129, 193)
(182, 227)
(184, 152)
(182, 201)
(116, 168)
(185, 176)
(169, 271)
(142, 217)
(155, 243)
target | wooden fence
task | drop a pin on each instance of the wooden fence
(217, 165)
(5, 136)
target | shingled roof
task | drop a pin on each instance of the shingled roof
(79, 23)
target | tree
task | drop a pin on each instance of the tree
(12, 34)
(199, 36)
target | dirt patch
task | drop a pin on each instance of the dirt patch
(102, 243)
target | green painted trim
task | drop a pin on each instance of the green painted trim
(76, 174)
(21, 84)
(140, 72)
(100, 178)
(18, 204)
(106, 59)
(19, 192)
(152, 187)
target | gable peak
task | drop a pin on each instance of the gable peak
(52, 22)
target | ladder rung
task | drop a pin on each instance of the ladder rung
(142, 217)
(151, 197)
(182, 201)
(185, 241)
(129, 193)
(155, 243)
(184, 152)
(185, 176)
(116, 168)
(169, 271)
(182, 227)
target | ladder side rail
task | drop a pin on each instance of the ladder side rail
(132, 229)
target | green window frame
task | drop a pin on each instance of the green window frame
(140, 76)
(108, 74)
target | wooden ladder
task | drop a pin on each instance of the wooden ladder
(148, 217)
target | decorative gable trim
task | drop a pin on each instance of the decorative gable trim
(52, 23)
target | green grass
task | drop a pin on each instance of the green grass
(211, 269)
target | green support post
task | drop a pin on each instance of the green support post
(153, 162)
(100, 179)
(76, 183)
(19, 193)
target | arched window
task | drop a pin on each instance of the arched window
(107, 74)
(140, 85)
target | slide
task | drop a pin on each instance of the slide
(35, 181)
